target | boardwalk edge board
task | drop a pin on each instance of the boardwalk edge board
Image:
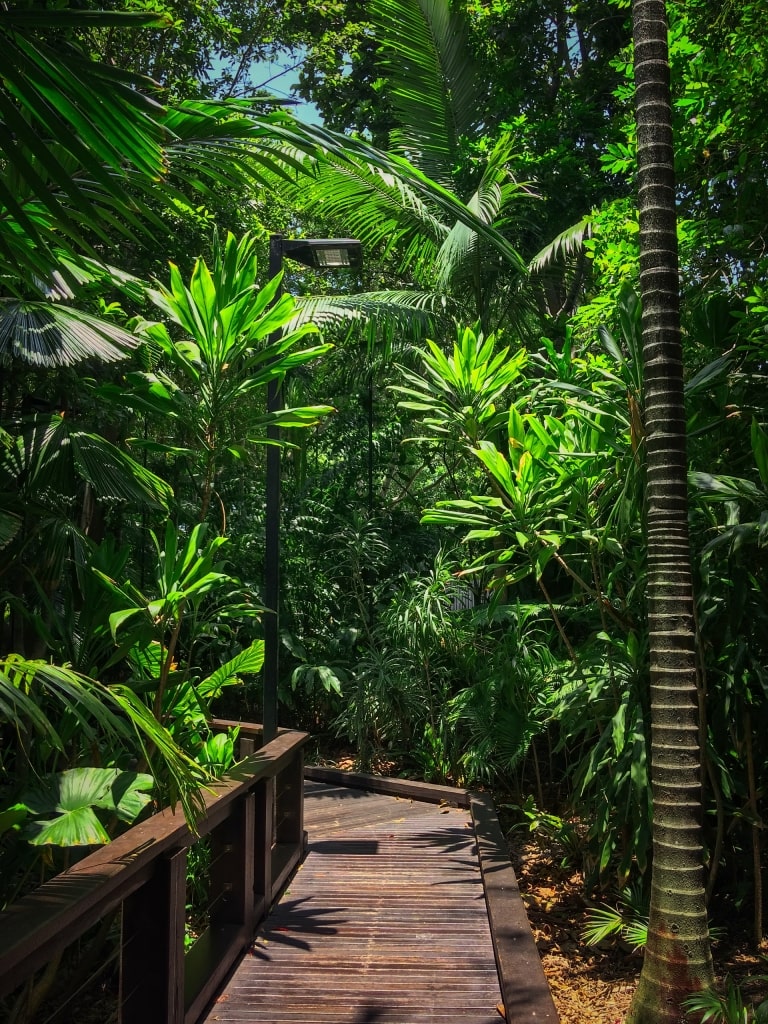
(517, 957)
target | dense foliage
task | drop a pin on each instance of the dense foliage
(464, 549)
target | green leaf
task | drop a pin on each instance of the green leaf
(329, 679)
(76, 827)
(760, 450)
(247, 662)
(72, 795)
(48, 335)
(435, 86)
(618, 729)
(567, 243)
(543, 557)
(725, 488)
(602, 923)
(709, 373)
(12, 816)
(610, 344)
(516, 428)
(114, 475)
(119, 618)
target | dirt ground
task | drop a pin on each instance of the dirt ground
(590, 985)
(594, 985)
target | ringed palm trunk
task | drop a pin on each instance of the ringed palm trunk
(678, 960)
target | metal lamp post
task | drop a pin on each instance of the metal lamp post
(319, 254)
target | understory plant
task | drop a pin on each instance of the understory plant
(627, 919)
(729, 1007)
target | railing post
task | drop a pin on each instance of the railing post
(290, 802)
(245, 746)
(152, 967)
(232, 869)
(263, 835)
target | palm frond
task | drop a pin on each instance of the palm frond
(465, 256)
(568, 243)
(41, 473)
(34, 694)
(215, 144)
(386, 311)
(114, 475)
(45, 334)
(325, 144)
(434, 81)
(378, 207)
(60, 113)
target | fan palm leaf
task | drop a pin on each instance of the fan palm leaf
(43, 468)
(46, 334)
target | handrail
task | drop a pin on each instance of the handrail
(144, 870)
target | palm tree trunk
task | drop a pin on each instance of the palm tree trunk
(678, 959)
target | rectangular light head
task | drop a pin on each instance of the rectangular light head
(324, 253)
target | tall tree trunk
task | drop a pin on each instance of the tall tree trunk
(678, 959)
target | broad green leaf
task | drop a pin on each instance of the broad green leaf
(72, 795)
(497, 466)
(725, 488)
(709, 373)
(147, 659)
(516, 428)
(610, 344)
(525, 474)
(119, 618)
(543, 558)
(618, 729)
(329, 679)
(76, 827)
(638, 766)
(247, 662)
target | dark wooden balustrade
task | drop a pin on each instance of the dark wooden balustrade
(254, 817)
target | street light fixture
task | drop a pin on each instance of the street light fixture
(319, 254)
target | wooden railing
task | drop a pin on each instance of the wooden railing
(254, 818)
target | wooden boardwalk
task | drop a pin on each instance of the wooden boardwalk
(384, 923)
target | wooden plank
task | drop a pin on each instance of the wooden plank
(262, 869)
(525, 990)
(384, 922)
(405, 788)
(289, 797)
